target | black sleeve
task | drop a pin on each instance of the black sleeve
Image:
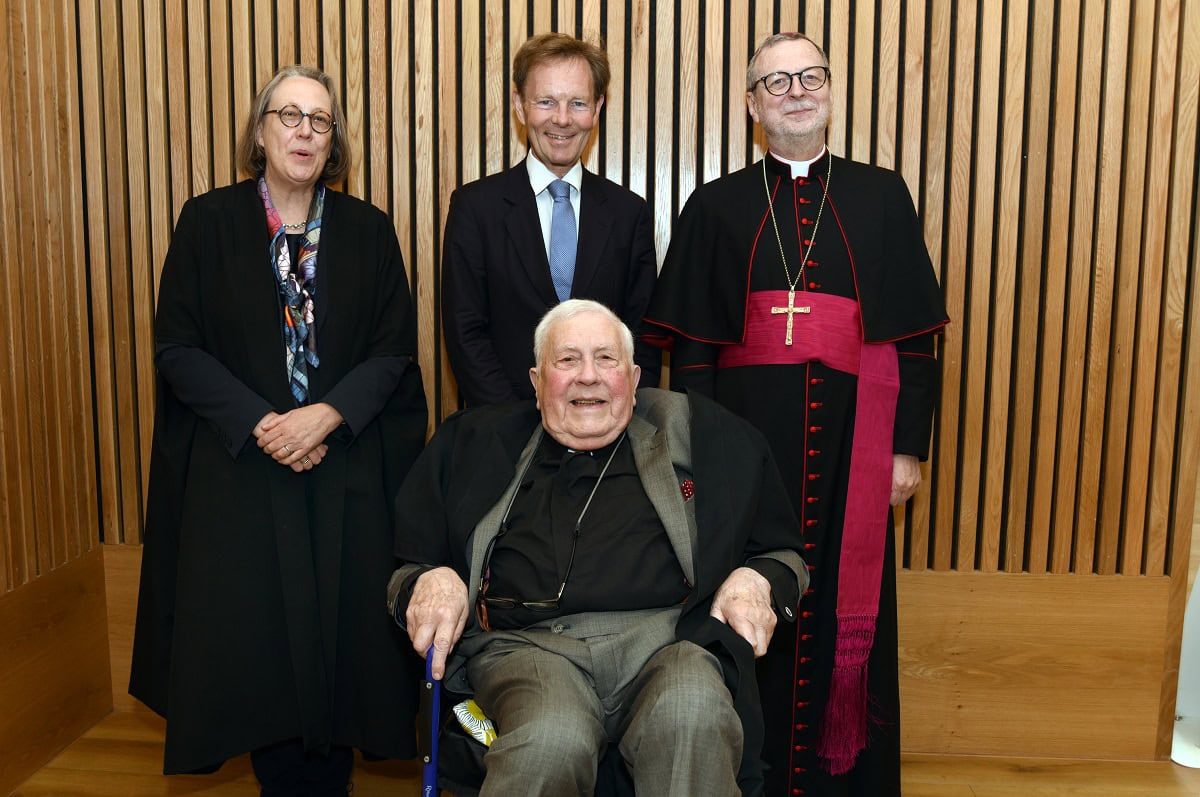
(920, 380)
(466, 319)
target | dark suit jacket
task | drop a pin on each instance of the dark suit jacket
(496, 277)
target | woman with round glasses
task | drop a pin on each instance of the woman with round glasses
(289, 409)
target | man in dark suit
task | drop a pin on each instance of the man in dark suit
(606, 566)
(512, 250)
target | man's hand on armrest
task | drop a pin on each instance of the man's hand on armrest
(743, 602)
(437, 614)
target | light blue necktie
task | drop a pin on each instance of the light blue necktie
(562, 240)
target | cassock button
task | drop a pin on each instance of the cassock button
(812, 264)
(802, 180)
(814, 286)
(808, 592)
(808, 242)
(815, 429)
(805, 220)
(812, 477)
(803, 681)
(808, 546)
(805, 638)
(804, 201)
(813, 452)
(816, 380)
(806, 615)
(814, 405)
(810, 523)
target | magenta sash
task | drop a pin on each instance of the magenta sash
(831, 333)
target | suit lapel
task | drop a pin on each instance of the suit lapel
(525, 230)
(595, 225)
(489, 525)
(653, 458)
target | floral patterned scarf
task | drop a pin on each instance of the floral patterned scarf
(297, 293)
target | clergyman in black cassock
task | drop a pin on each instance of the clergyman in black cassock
(799, 293)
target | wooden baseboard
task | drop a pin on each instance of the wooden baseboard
(1019, 665)
(54, 666)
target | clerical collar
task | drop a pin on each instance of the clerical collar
(799, 168)
(553, 451)
(540, 177)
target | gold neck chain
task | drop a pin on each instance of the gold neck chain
(792, 283)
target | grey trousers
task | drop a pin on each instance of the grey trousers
(673, 719)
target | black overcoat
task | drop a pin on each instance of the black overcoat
(259, 613)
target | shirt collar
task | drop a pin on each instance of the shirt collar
(799, 168)
(540, 176)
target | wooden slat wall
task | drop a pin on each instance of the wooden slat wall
(1051, 148)
(48, 491)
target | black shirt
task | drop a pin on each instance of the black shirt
(623, 559)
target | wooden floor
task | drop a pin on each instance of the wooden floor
(122, 757)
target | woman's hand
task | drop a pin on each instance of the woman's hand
(297, 438)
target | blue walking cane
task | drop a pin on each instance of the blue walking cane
(431, 707)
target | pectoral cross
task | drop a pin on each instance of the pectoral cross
(791, 311)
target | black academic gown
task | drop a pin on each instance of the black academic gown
(868, 247)
(259, 613)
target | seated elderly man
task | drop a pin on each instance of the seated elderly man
(606, 570)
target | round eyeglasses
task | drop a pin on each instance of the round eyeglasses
(292, 116)
(780, 83)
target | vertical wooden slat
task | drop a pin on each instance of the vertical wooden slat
(378, 159)
(308, 29)
(264, 42)
(913, 60)
(70, 170)
(717, 87)
(287, 46)
(219, 70)
(243, 68)
(616, 102)
(664, 112)
(688, 86)
(734, 91)
(887, 65)
(1072, 531)
(637, 111)
(46, 309)
(354, 91)
(1155, 344)
(518, 24)
(141, 296)
(1027, 341)
(934, 205)
(841, 79)
(124, 345)
(1176, 426)
(1092, 542)
(17, 507)
(425, 196)
(449, 162)
(958, 240)
(498, 92)
(860, 97)
(1134, 36)
(1003, 300)
(332, 62)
